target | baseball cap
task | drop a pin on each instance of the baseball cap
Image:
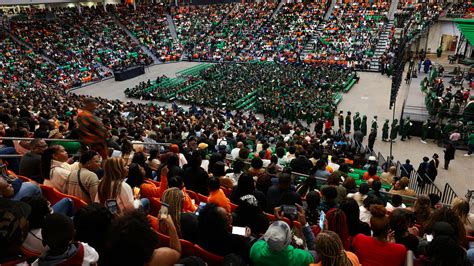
(278, 236)
(202, 146)
(372, 158)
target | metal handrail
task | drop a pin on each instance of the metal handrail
(77, 140)
(448, 194)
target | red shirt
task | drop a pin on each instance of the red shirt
(372, 252)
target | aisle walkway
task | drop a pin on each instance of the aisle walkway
(371, 97)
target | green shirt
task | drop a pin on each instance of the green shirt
(260, 254)
(71, 147)
(471, 139)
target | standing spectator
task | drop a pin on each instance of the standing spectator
(91, 130)
(470, 144)
(423, 169)
(449, 154)
(372, 137)
(407, 169)
(30, 164)
(433, 167)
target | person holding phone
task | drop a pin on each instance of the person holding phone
(113, 192)
(215, 233)
(275, 248)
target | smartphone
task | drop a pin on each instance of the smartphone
(112, 206)
(429, 238)
(164, 210)
(200, 207)
(322, 217)
(289, 209)
(237, 230)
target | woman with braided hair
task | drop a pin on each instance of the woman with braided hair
(185, 222)
(331, 251)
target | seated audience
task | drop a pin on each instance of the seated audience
(378, 249)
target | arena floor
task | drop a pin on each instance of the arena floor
(370, 96)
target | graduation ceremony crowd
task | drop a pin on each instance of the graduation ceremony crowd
(144, 184)
(280, 90)
(70, 47)
(126, 201)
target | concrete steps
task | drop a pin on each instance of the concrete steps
(130, 34)
(277, 10)
(172, 27)
(381, 46)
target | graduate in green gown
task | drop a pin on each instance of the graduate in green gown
(394, 131)
(357, 122)
(385, 129)
(348, 123)
(363, 125)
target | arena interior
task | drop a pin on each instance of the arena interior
(223, 132)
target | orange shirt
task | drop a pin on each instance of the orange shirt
(351, 256)
(148, 190)
(188, 203)
(367, 176)
(218, 197)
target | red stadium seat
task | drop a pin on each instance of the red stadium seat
(153, 221)
(54, 195)
(227, 191)
(25, 179)
(193, 195)
(202, 198)
(210, 258)
(164, 239)
(155, 206)
(187, 248)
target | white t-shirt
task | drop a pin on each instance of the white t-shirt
(391, 208)
(124, 199)
(235, 153)
(364, 215)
